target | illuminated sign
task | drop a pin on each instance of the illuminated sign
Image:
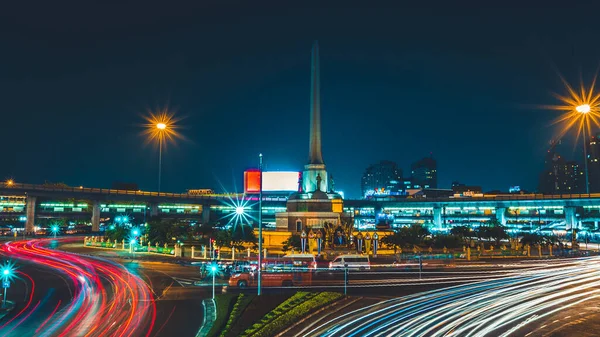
(273, 181)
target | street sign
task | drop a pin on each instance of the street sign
(5, 284)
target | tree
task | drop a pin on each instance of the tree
(448, 241)
(235, 237)
(406, 236)
(396, 240)
(415, 234)
(533, 239)
(494, 230)
(463, 232)
(117, 233)
(292, 242)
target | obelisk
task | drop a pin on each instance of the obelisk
(315, 166)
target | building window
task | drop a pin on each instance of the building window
(298, 225)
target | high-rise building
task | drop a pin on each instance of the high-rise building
(381, 177)
(424, 173)
(593, 152)
(560, 176)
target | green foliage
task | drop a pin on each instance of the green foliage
(164, 230)
(224, 304)
(292, 242)
(288, 312)
(406, 236)
(238, 308)
(448, 241)
(464, 232)
(492, 230)
(118, 233)
(235, 237)
(533, 239)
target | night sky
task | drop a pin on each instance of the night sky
(398, 83)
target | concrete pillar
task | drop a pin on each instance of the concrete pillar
(193, 252)
(96, 217)
(205, 214)
(501, 215)
(596, 225)
(154, 209)
(570, 218)
(437, 216)
(30, 222)
(232, 253)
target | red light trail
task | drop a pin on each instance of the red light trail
(106, 299)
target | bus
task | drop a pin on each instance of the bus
(275, 273)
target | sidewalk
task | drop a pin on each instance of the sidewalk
(5, 311)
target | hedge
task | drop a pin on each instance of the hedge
(292, 315)
(239, 306)
(224, 303)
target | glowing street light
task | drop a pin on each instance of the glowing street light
(7, 274)
(55, 230)
(161, 126)
(213, 270)
(10, 182)
(584, 109)
(239, 210)
(580, 109)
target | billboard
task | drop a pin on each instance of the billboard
(273, 181)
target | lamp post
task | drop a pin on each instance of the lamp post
(260, 249)
(7, 274)
(55, 230)
(585, 109)
(213, 269)
(161, 127)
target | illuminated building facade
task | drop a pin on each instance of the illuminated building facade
(424, 173)
(381, 177)
(561, 176)
(593, 152)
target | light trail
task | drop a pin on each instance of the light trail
(502, 306)
(106, 299)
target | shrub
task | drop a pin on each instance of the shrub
(296, 312)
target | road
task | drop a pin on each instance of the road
(520, 304)
(65, 294)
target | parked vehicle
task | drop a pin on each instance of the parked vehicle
(351, 261)
(271, 279)
(300, 260)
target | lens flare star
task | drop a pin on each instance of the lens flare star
(580, 108)
(240, 215)
(161, 126)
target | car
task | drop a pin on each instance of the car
(351, 261)
(301, 260)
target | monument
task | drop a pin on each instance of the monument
(316, 206)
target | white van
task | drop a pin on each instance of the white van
(353, 261)
(301, 260)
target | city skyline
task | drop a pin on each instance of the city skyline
(80, 105)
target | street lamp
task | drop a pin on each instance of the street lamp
(161, 127)
(10, 182)
(213, 270)
(7, 274)
(260, 162)
(584, 109)
(55, 230)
